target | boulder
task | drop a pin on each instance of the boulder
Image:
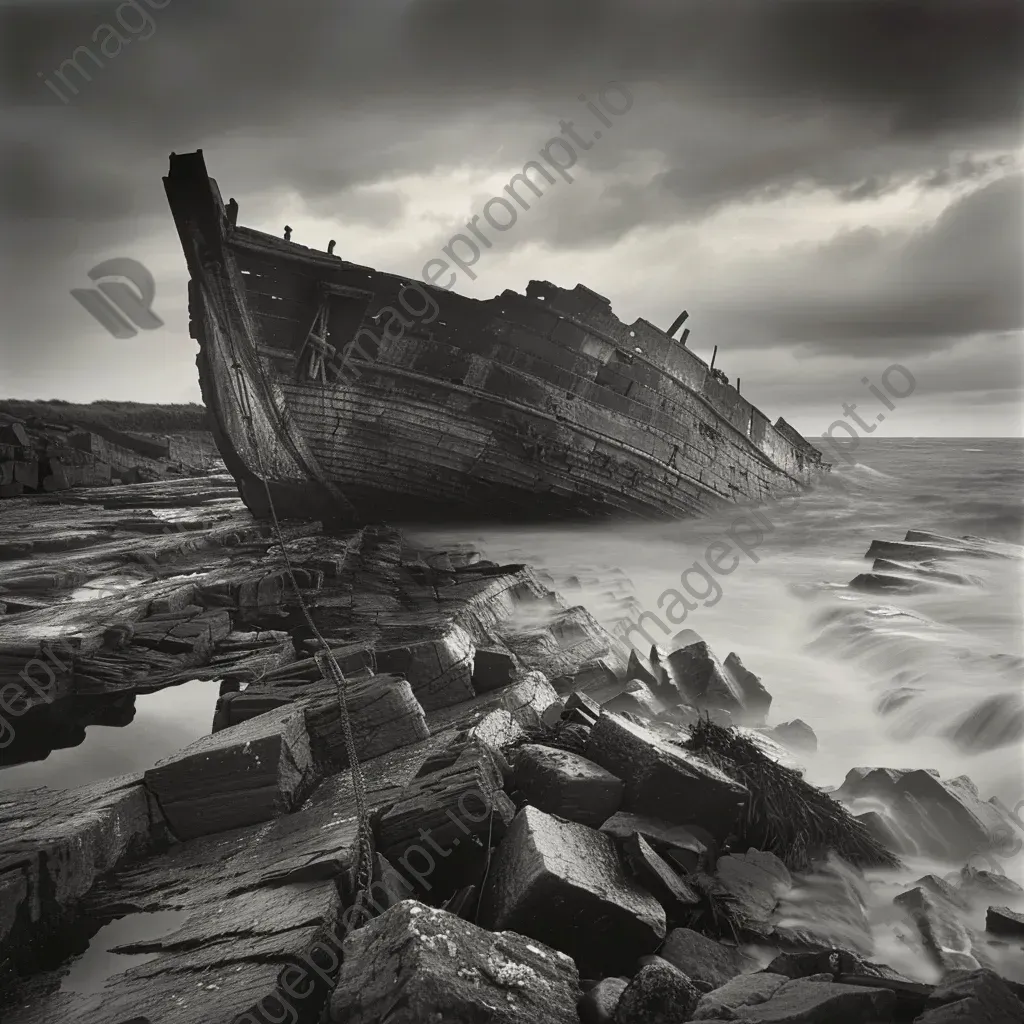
(940, 818)
(972, 997)
(943, 889)
(636, 699)
(885, 831)
(807, 963)
(596, 677)
(493, 668)
(572, 736)
(597, 1005)
(658, 994)
(693, 843)
(566, 784)
(564, 884)
(703, 960)
(1004, 921)
(440, 671)
(450, 811)
(797, 735)
(640, 667)
(703, 682)
(756, 880)
(664, 781)
(819, 1000)
(744, 990)
(980, 883)
(947, 941)
(248, 773)
(416, 963)
(660, 880)
(580, 701)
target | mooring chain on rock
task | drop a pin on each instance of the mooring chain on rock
(329, 666)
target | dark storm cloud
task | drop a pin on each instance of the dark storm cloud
(869, 292)
(884, 74)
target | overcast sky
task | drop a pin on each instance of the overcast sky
(829, 187)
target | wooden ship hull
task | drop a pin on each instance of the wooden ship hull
(352, 395)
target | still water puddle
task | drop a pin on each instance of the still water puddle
(98, 963)
(164, 722)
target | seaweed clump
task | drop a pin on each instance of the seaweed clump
(785, 814)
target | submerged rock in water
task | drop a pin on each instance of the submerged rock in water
(940, 818)
(797, 735)
(945, 938)
(700, 680)
(994, 722)
(756, 880)
(1004, 921)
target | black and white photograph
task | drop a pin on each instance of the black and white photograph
(512, 512)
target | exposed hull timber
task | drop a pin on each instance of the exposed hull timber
(517, 407)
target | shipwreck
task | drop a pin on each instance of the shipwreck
(343, 393)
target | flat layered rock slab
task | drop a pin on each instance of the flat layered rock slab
(566, 784)
(744, 990)
(459, 800)
(570, 639)
(975, 997)
(706, 961)
(663, 835)
(439, 669)
(658, 878)
(255, 898)
(819, 1001)
(251, 772)
(502, 716)
(54, 844)
(663, 780)
(383, 714)
(416, 963)
(565, 884)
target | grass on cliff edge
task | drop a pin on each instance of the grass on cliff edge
(141, 417)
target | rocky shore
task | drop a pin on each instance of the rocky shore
(432, 790)
(38, 456)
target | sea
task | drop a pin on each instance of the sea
(925, 680)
